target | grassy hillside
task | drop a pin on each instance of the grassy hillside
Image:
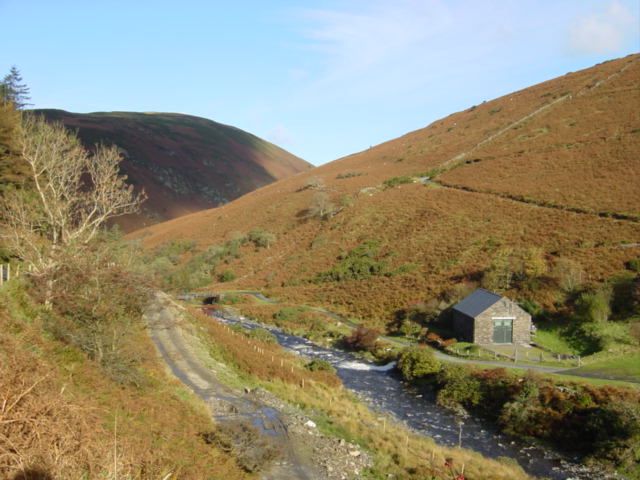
(184, 163)
(544, 209)
(67, 414)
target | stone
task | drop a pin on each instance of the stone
(310, 424)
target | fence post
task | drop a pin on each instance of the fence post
(1, 274)
(8, 272)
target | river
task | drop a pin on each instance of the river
(382, 388)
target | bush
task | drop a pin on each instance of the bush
(395, 181)
(261, 238)
(417, 362)
(318, 365)
(362, 338)
(458, 387)
(593, 306)
(227, 276)
(358, 264)
(634, 265)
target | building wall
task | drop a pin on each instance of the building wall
(463, 326)
(483, 325)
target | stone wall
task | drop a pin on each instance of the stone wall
(483, 327)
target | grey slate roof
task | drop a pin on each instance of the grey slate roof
(477, 302)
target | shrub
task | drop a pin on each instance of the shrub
(316, 365)
(395, 181)
(634, 265)
(262, 335)
(261, 238)
(360, 263)
(458, 387)
(593, 306)
(341, 176)
(227, 276)
(417, 362)
(362, 338)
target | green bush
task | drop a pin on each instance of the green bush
(261, 238)
(395, 181)
(634, 265)
(594, 306)
(320, 365)
(227, 276)
(358, 264)
(458, 387)
(417, 362)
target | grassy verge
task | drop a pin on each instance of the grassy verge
(626, 367)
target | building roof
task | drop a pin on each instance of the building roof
(477, 302)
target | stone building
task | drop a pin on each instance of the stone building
(486, 318)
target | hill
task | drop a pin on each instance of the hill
(184, 163)
(517, 194)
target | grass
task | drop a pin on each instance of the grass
(551, 338)
(624, 367)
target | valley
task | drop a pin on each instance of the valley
(461, 302)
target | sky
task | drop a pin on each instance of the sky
(322, 79)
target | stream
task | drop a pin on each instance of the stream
(382, 388)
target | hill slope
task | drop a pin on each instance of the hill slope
(550, 174)
(184, 163)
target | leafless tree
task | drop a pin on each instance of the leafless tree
(73, 194)
(321, 206)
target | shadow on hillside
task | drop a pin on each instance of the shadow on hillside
(32, 474)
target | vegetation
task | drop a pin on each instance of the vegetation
(417, 362)
(602, 423)
(395, 181)
(337, 412)
(358, 264)
(13, 90)
(82, 393)
(361, 339)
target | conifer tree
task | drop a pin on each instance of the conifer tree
(14, 90)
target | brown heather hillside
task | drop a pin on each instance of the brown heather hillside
(184, 163)
(547, 167)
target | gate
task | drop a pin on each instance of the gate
(503, 330)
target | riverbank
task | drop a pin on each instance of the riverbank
(337, 412)
(384, 391)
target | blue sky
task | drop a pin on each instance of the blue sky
(323, 79)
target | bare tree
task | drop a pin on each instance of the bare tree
(321, 206)
(73, 194)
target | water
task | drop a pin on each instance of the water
(385, 391)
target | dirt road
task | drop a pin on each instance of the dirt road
(187, 358)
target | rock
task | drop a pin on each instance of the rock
(355, 453)
(310, 424)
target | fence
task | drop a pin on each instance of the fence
(8, 271)
(518, 355)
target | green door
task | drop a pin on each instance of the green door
(503, 330)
